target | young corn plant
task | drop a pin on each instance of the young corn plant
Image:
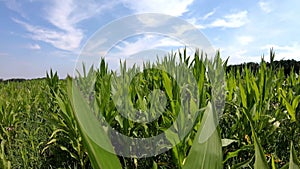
(66, 134)
(137, 94)
(43, 122)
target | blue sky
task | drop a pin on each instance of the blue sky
(37, 35)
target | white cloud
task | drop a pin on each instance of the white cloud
(195, 20)
(168, 7)
(144, 48)
(285, 52)
(195, 23)
(206, 16)
(59, 39)
(231, 21)
(147, 42)
(152, 20)
(181, 29)
(265, 6)
(68, 13)
(65, 16)
(245, 40)
(238, 55)
(34, 46)
(60, 15)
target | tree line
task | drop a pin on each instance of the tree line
(287, 65)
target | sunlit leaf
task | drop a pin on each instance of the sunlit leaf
(207, 154)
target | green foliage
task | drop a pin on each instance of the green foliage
(41, 127)
(205, 153)
(294, 162)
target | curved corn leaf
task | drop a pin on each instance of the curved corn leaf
(206, 154)
(294, 162)
(260, 159)
(99, 157)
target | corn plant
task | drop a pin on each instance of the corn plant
(43, 122)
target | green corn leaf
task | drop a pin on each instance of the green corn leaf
(290, 109)
(255, 88)
(168, 85)
(295, 102)
(99, 157)
(226, 142)
(294, 162)
(243, 95)
(260, 159)
(273, 163)
(154, 165)
(236, 152)
(206, 154)
(73, 155)
(244, 164)
(232, 154)
(3, 161)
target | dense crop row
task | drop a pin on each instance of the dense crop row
(42, 121)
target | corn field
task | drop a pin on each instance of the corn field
(42, 125)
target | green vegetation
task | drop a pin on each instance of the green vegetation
(41, 127)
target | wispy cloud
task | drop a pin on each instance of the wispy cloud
(206, 16)
(34, 46)
(198, 21)
(59, 39)
(16, 6)
(68, 13)
(65, 16)
(265, 6)
(169, 7)
(234, 20)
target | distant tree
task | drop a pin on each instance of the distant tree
(240, 67)
(287, 65)
(15, 80)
